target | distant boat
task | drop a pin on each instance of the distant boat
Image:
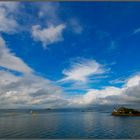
(122, 111)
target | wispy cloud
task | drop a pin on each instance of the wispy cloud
(82, 70)
(75, 26)
(136, 31)
(48, 35)
(118, 81)
(49, 11)
(113, 45)
(8, 21)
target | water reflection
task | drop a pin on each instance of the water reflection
(69, 125)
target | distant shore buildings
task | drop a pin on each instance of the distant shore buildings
(122, 111)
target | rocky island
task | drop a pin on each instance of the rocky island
(122, 111)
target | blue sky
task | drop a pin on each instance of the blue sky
(86, 52)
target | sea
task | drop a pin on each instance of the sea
(92, 123)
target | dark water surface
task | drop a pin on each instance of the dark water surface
(74, 124)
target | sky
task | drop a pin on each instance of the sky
(69, 54)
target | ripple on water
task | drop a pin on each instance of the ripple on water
(69, 125)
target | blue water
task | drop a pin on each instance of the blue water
(74, 124)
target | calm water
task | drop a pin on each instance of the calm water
(68, 125)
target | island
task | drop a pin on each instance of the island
(123, 111)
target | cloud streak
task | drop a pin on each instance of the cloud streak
(8, 60)
(82, 70)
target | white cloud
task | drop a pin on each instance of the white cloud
(28, 91)
(82, 70)
(133, 81)
(96, 97)
(10, 61)
(8, 23)
(48, 35)
(6, 78)
(128, 94)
